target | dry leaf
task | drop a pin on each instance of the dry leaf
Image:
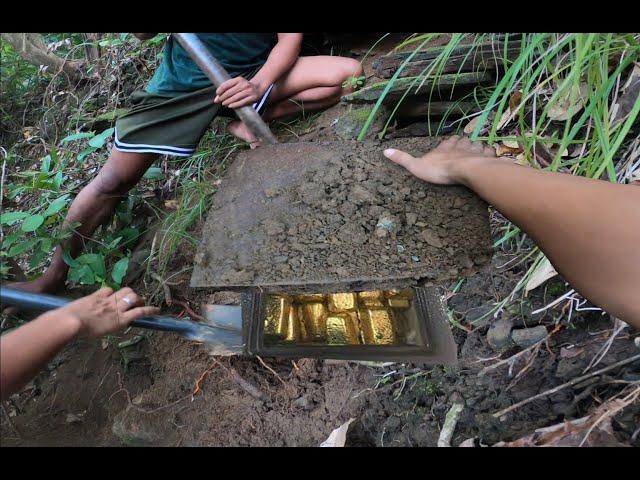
(543, 272)
(509, 113)
(574, 433)
(339, 436)
(171, 204)
(563, 108)
(502, 150)
(511, 143)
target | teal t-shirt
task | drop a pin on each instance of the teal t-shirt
(239, 53)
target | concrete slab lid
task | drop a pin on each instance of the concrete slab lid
(260, 186)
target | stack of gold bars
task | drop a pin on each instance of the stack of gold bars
(358, 318)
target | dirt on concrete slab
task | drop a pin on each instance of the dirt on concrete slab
(335, 216)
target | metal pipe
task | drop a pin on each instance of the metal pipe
(218, 75)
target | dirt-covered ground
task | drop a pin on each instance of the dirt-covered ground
(166, 391)
(141, 388)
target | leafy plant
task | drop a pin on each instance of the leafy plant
(36, 231)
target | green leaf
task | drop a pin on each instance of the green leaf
(57, 181)
(10, 239)
(99, 140)
(57, 205)
(114, 243)
(86, 152)
(66, 256)
(22, 247)
(119, 270)
(36, 258)
(95, 261)
(46, 164)
(32, 223)
(46, 244)
(77, 136)
(12, 217)
(85, 275)
(154, 173)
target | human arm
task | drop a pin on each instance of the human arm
(27, 349)
(238, 92)
(589, 229)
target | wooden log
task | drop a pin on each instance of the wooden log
(463, 58)
(446, 82)
(425, 108)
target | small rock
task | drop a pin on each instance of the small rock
(499, 334)
(411, 218)
(479, 316)
(431, 238)
(525, 337)
(302, 402)
(128, 428)
(459, 202)
(73, 418)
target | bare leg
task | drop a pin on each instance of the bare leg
(313, 83)
(93, 205)
(588, 229)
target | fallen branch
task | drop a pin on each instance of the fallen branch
(575, 381)
(449, 426)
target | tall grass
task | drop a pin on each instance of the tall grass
(199, 175)
(559, 99)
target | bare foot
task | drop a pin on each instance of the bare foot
(239, 130)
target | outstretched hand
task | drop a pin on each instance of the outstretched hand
(444, 164)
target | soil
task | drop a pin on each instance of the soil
(337, 215)
(88, 397)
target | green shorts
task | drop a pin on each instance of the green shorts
(170, 125)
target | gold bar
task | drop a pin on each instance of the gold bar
(371, 299)
(314, 319)
(399, 302)
(277, 316)
(309, 297)
(377, 326)
(341, 329)
(342, 302)
(394, 292)
(295, 329)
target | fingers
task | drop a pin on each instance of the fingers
(227, 85)
(138, 312)
(400, 157)
(449, 143)
(488, 151)
(103, 292)
(224, 95)
(240, 99)
(241, 103)
(126, 299)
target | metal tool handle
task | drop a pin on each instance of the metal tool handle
(218, 75)
(42, 302)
